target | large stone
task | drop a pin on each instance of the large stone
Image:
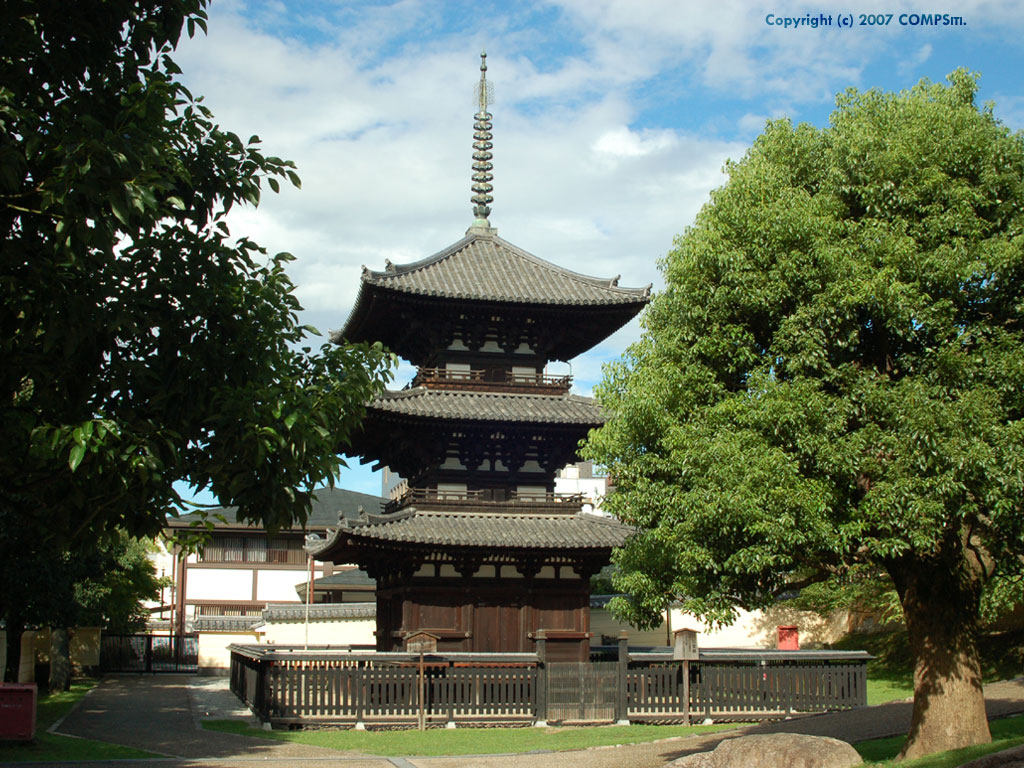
(776, 750)
(1008, 758)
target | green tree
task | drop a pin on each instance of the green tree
(833, 378)
(140, 343)
(102, 584)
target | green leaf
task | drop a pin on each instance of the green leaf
(118, 207)
(76, 455)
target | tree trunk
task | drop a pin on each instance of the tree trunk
(60, 659)
(15, 629)
(940, 599)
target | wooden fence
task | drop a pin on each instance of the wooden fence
(729, 685)
(287, 685)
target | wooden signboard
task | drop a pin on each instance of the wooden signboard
(685, 647)
(421, 642)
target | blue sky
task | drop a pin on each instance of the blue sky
(612, 121)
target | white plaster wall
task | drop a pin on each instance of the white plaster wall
(223, 584)
(338, 632)
(163, 565)
(752, 629)
(591, 488)
(83, 646)
(213, 648)
(279, 586)
(759, 629)
(27, 668)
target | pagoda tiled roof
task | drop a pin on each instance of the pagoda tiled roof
(490, 406)
(487, 268)
(329, 504)
(491, 530)
(285, 612)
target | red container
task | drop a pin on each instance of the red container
(789, 638)
(18, 711)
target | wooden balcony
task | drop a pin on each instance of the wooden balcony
(492, 381)
(488, 500)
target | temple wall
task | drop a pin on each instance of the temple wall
(752, 629)
(214, 656)
(84, 650)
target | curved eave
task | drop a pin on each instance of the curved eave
(489, 268)
(453, 531)
(467, 407)
(479, 273)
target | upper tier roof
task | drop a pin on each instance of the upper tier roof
(486, 268)
(483, 269)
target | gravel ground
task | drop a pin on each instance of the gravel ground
(162, 714)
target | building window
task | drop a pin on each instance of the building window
(253, 549)
(228, 610)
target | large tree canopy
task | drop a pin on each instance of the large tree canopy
(140, 343)
(833, 377)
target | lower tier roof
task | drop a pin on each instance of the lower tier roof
(456, 530)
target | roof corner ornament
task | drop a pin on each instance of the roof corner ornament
(482, 166)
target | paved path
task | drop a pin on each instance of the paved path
(162, 713)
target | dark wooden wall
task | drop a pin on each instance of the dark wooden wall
(488, 615)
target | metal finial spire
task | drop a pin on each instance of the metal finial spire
(482, 146)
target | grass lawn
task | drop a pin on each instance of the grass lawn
(1007, 732)
(882, 690)
(469, 741)
(49, 747)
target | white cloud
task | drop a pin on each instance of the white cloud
(383, 146)
(622, 142)
(751, 123)
(373, 102)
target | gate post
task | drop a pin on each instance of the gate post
(622, 698)
(542, 679)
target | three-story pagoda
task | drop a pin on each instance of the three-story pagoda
(478, 550)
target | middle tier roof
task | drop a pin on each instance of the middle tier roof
(503, 407)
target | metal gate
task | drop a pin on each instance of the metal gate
(149, 653)
(581, 692)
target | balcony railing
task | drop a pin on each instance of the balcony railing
(489, 500)
(493, 380)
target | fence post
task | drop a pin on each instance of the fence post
(790, 673)
(449, 685)
(622, 697)
(542, 679)
(260, 695)
(362, 691)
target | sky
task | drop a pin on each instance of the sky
(612, 119)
